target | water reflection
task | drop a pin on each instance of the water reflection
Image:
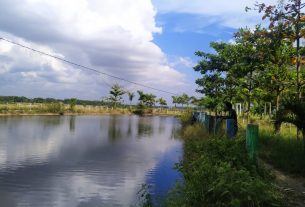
(82, 161)
(145, 127)
(72, 124)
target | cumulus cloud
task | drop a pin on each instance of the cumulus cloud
(227, 13)
(111, 36)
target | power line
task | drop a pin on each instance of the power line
(85, 67)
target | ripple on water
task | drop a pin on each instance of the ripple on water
(84, 161)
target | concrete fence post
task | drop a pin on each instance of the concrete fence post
(252, 140)
(230, 130)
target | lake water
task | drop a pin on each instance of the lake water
(86, 160)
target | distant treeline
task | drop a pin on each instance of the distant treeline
(22, 99)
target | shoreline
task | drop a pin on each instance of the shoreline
(84, 114)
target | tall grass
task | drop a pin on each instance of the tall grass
(217, 172)
(60, 108)
(282, 150)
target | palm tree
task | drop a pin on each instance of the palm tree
(162, 102)
(116, 93)
(130, 96)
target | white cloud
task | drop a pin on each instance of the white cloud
(112, 36)
(228, 13)
(183, 61)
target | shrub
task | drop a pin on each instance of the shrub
(217, 172)
(55, 107)
(186, 117)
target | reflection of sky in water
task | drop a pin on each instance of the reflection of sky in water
(162, 177)
(85, 160)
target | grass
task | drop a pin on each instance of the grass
(283, 150)
(60, 108)
(217, 172)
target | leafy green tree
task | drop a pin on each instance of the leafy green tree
(162, 102)
(214, 69)
(73, 102)
(184, 99)
(289, 17)
(148, 99)
(211, 85)
(116, 94)
(130, 96)
(175, 100)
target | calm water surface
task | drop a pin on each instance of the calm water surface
(85, 160)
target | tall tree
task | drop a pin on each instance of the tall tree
(290, 18)
(184, 99)
(175, 100)
(247, 60)
(72, 102)
(130, 96)
(162, 101)
(116, 94)
(148, 99)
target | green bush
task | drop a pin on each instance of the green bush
(186, 117)
(217, 172)
(55, 107)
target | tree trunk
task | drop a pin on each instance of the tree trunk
(299, 94)
(278, 102)
(248, 110)
(303, 131)
(277, 128)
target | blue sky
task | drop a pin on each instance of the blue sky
(183, 35)
(151, 42)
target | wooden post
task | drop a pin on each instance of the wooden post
(252, 141)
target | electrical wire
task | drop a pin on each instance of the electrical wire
(85, 67)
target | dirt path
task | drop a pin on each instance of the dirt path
(293, 186)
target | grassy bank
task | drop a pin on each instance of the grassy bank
(60, 108)
(217, 172)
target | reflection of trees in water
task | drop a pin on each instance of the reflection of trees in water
(114, 129)
(129, 131)
(72, 123)
(145, 126)
(161, 123)
(176, 130)
(51, 120)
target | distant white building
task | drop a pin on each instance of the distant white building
(302, 43)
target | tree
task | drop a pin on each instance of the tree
(162, 102)
(175, 100)
(215, 76)
(290, 18)
(147, 99)
(184, 99)
(211, 85)
(116, 94)
(73, 102)
(130, 96)
(247, 61)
